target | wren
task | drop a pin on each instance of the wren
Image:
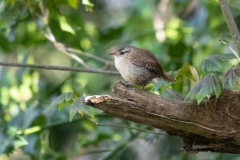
(138, 66)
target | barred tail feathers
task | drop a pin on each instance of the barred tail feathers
(167, 77)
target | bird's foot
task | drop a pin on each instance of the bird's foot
(126, 85)
(143, 87)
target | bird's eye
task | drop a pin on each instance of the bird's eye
(124, 51)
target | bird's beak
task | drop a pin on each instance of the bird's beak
(112, 54)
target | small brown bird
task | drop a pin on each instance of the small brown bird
(138, 66)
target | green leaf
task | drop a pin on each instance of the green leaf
(63, 99)
(12, 2)
(88, 5)
(208, 85)
(231, 78)
(73, 3)
(187, 71)
(20, 141)
(61, 105)
(162, 84)
(214, 62)
(79, 106)
(10, 139)
(65, 26)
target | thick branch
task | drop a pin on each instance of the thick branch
(210, 126)
(231, 23)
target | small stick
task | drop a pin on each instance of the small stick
(121, 126)
(61, 68)
(226, 44)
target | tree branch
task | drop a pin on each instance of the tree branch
(61, 68)
(210, 126)
(231, 23)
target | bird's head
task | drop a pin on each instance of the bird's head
(121, 51)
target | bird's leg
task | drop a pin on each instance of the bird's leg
(126, 85)
(143, 87)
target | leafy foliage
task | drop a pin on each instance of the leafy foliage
(187, 71)
(88, 5)
(63, 99)
(161, 84)
(214, 62)
(81, 108)
(208, 85)
(231, 78)
(76, 104)
(10, 140)
(27, 123)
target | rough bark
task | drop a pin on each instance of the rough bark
(213, 125)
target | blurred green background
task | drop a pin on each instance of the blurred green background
(176, 31)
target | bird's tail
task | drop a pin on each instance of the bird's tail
(166, 77)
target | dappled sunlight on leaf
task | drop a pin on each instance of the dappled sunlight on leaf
(88, 5)
(171, 29)
(49, 32)
(73, 3)
(65, 26)
(187, 71)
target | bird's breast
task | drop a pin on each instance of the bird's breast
(132, 73)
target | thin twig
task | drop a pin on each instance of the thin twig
(225, 43)
(120, 147)
(61, 68)
(49, 35)
(94, 151)
(61, 47)
(231, 23)
(121, 126)
(134, 128)
(174, 94)
(89, 55)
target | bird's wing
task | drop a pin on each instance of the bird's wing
(146, 59)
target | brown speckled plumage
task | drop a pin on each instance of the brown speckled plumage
(138, 66)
